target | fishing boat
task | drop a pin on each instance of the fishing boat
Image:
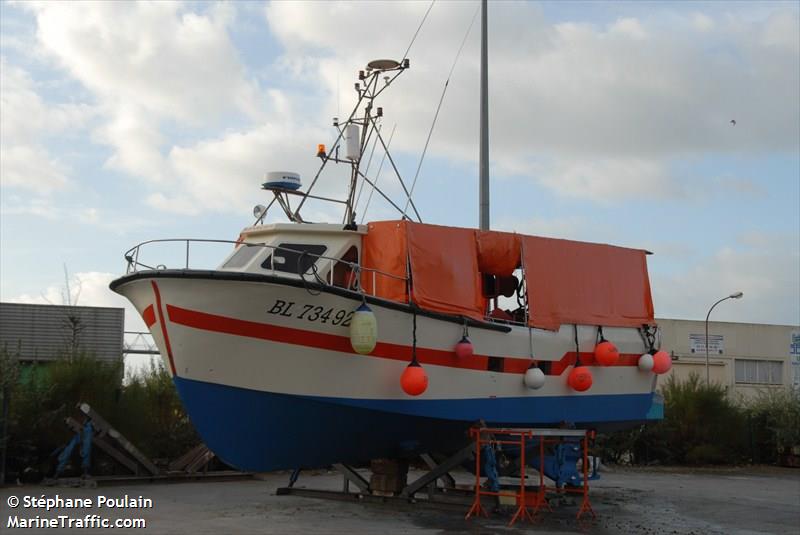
(319, 343)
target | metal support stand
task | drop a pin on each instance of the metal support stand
(518, 437)
(448, 496)
(293, 477)
(488, 436)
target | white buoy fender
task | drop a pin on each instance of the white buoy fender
(646, 362)
(534, 378)
(363, 330)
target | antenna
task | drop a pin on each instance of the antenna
(354, 135)
(67, 299)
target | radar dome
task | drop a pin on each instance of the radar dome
(282, 180)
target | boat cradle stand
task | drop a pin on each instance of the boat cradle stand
(565, 447)
(435, 488)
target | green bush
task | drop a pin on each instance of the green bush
(145, 409)
(702, 425)
(774, 423)
(700, 415)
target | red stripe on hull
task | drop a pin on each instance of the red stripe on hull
(164, 327)
(149, 316)
(333, 342)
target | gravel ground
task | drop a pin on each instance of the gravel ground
(638, 501)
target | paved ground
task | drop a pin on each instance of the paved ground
(647, 502)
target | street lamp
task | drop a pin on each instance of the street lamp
(737, 295)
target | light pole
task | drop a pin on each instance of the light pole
(737, 295)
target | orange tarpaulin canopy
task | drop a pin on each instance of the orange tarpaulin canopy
(567, 281)
(498, 252)
(444, 270)
(585, 283)
(385, 249)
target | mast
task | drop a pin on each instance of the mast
(483, 192)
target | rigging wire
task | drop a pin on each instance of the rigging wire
(366, 171)
(378, 175)
(405, 54)
(439, 107)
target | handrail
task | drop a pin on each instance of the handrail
(132, 258)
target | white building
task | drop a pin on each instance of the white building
(745, 357)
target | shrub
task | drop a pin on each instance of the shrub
(700, 415)
(774, 423)
(146, 410)
(700, 426)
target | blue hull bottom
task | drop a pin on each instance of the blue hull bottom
(261, 431)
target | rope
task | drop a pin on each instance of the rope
(414, 338)
(405, 54)
(648, 337)
(439, 107)
(577, 348)
(302, 274)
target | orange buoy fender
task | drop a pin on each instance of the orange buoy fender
(414, 380)
(580, 379)
(464, 348)
(662, 362)
(606, 353)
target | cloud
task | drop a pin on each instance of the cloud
(41, 207)
(27, 122)
(702, 22)
(157, 57)
(610, 179)
(569, 228)
(153, 67)
(591, 98)
(32, 168)
(765, 269)
(588, 110)
(87, 289)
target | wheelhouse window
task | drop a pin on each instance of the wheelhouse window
(293, 258)
(343, 274)
(243, 256)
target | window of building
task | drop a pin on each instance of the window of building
(242, 256)
(293, 257)
(762, 372)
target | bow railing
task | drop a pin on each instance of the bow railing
(133, 257)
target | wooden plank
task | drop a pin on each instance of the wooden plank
(353, 476)
(200, 461)
(101, 443)
(447, 479)
(100, 422)
(437, 472)
(181, 462)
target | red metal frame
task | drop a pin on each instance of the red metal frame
(540, 501)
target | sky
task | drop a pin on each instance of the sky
(609, 122)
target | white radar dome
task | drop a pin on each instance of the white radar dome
(281, 180)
